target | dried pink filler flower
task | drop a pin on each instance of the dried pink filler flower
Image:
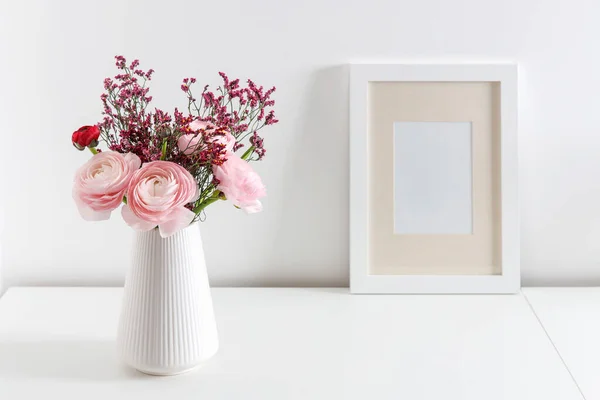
(201, 141)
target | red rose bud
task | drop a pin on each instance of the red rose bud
(86, 136)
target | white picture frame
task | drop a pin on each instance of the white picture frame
(361, 280)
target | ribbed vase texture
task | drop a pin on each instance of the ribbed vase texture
(167, 323)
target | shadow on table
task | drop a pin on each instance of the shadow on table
(64, 360)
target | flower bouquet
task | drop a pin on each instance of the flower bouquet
(165, 169)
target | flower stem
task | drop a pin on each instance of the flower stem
(93, 150)
(216, 195)
(204, 204)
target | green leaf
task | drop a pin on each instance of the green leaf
(248, 153)
(164, 150)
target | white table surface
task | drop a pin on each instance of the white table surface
(571, 316)
(290, 344)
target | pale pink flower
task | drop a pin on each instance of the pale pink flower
(228, 140)
(240, 183)
(157, 195)
(197, 125)
(190, 143)
(100, 183)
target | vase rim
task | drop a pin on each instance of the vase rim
(155, 230)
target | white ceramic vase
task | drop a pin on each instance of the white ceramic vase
(167, 323)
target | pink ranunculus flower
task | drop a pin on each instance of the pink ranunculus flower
(188, 143)
(100, 183)
(228, 140)
(157, 195)
(240, 183)
(196, 125)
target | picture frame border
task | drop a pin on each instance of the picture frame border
(360, 280)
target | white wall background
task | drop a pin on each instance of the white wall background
(55, 55)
